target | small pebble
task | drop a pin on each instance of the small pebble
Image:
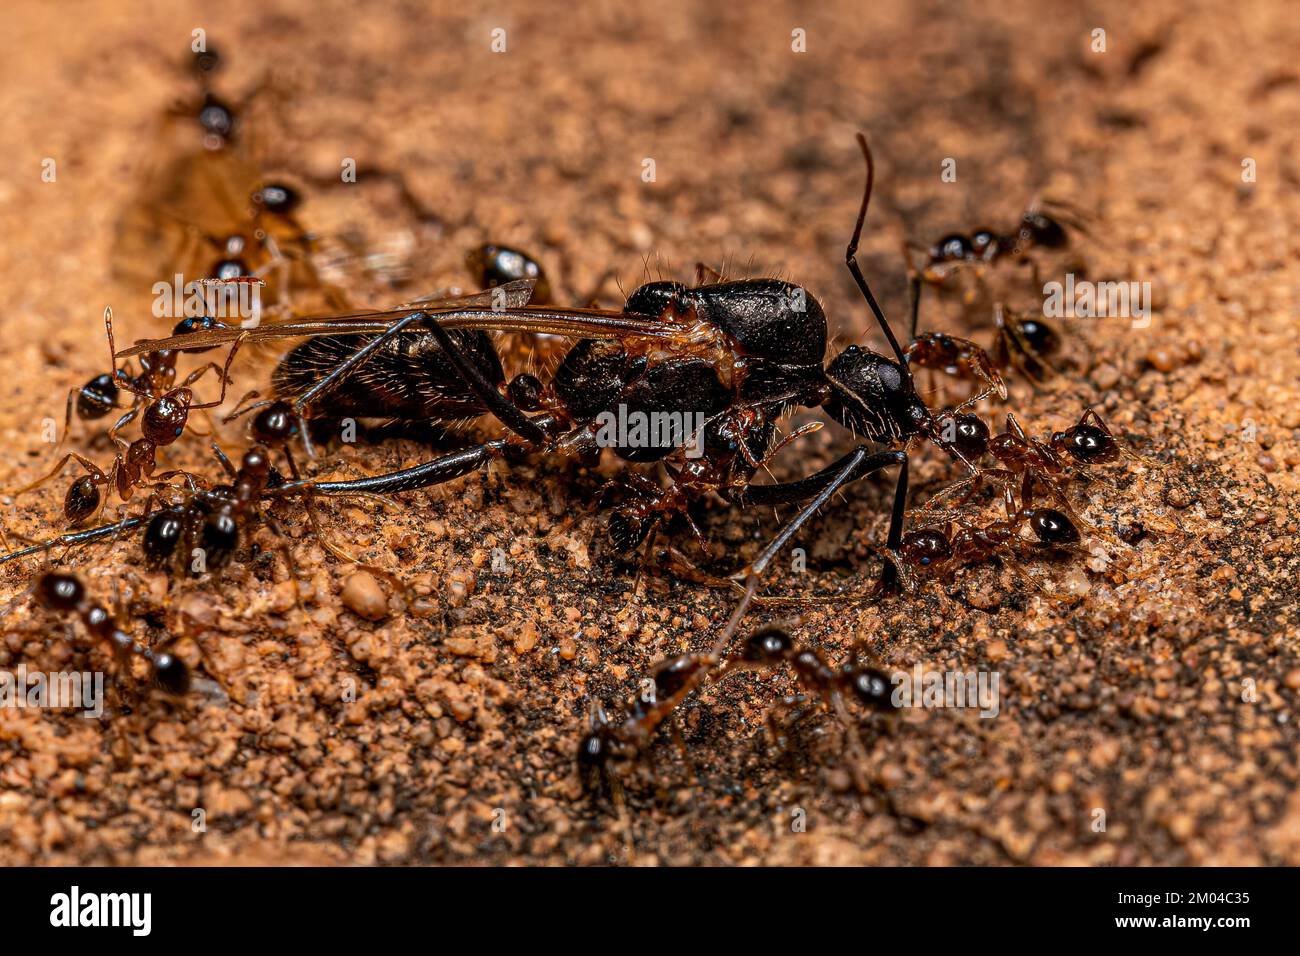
(363, 596)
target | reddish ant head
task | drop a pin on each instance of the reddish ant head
(925, 548)
(982, 241)
(60, 592)
(1087, 443)
(965, 432)
(672, 675)
(164, 419)
(1052, 527)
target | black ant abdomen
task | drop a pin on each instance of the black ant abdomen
(275, 425)
(767, 647)
(162, 535)
(81, 501)
(278, 198)
(60, 592)
(97, 397)
(217, 120)
(219, 538)
(493, 265)
(1053, 527)
(171, 674)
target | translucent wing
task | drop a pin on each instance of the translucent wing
(503, 309)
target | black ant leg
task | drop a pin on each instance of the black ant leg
(74, 539)
(505, 410)
(851, 260)
(436, 472)
(820, 487)
(352, 362)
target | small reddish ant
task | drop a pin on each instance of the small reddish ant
(163, 409)
(607, 743)
(65, 594)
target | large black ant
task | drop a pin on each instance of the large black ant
(739, 353)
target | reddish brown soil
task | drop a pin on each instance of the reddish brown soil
(1161, 691)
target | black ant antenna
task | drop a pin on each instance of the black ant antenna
(851, 260)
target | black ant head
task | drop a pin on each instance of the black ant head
(1087, 443)
(767, 647)
(171, 674)
(1039, 229)
(275, 425)
(277, 198)
(872, 687)
(925, 548)
(97, 397)
(1052, 527)
(206, 62)
(874, 397)
(60, 592)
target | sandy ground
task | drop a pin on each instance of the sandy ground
(1161, 693)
